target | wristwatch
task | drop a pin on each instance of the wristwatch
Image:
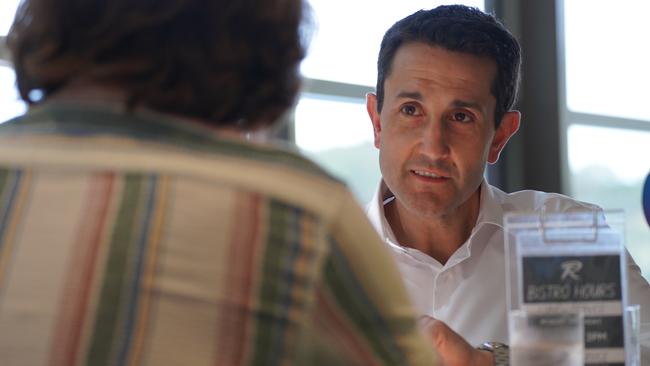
(500, 351)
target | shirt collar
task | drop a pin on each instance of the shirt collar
(375, 211)
(491, 209)
(490, 214)
(75, 119)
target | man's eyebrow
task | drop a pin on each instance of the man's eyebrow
(466, 104)
(409, 95)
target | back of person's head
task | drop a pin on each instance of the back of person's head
(463, 29)
(229, 62)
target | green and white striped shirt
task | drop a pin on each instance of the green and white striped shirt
(140, 239)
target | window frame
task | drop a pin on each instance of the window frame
(569, 118)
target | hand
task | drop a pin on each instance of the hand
(452, 349)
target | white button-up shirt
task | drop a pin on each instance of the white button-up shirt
(469, 291)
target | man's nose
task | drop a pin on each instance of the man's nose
(435, 140)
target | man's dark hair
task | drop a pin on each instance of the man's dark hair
(230, 62)
(463, 29)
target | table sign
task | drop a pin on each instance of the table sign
(569, 263)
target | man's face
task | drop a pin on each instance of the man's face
(436, 131)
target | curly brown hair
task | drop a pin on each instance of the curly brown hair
(231, 62)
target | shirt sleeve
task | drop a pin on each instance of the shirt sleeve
(361, 307)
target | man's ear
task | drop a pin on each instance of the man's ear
(373, 113)
(508, 126)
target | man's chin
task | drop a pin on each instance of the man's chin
(429, 206)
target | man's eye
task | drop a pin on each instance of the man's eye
(461, 117)
(409, 109)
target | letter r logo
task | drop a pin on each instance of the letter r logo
(571, 269)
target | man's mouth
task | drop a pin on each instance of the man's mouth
(428, 174)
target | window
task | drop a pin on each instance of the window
(331, 123)
(607, 69)
(10, 104)
(345, 44)
(7, 11)
(613, 177)
(337, 133)
(606, 116)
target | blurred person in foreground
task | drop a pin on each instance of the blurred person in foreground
(139, 226)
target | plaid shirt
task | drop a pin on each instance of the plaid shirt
(138, 239)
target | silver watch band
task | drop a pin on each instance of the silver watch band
(501, 352)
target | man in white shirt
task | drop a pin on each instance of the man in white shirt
(447, 81)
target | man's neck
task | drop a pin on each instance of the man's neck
(439, 236)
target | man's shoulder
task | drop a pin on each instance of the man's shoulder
(155, 132)
(85, 138)
(533, 200)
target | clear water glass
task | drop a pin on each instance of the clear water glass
(546, 339)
